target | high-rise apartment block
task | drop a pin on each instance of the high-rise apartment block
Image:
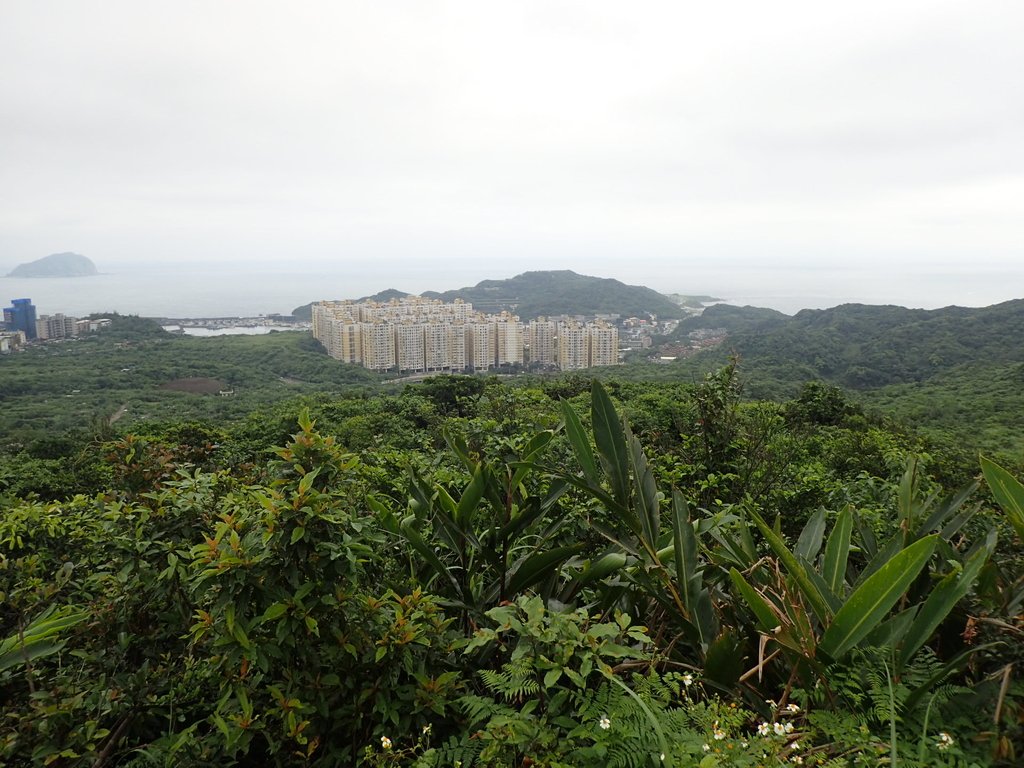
(21, 316)
(56, 326)
(418, 335)
(541, 337)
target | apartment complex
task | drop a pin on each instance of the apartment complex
(418, 335)
(21, 317)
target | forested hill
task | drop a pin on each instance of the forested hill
(864, 347)
(557, 292)
(563, 292)
(732, 319)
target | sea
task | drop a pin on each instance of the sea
(220, 291)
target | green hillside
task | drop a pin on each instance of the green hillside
(563, 292)
(933, 368)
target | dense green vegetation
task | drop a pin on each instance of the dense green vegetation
(954, 371)
(863, 347)
(123, 372)
(466, 572)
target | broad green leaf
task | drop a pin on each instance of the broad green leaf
(1008, 491)
(906, 498)
(645, 496)
(943, 597)
(460, 449)
(307, 481)
(580, 442)
(470, 500)
(767, 619)
(837, 551)
(685, 548)
(297, 533)
(535, 568)
(871, 601)
(531, 453)
(611, 443)
(599, 569)
(275, 611)
(809, 543)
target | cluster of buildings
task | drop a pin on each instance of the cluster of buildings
(21, 324)
(418, 335)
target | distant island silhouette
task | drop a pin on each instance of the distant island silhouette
(57, 265)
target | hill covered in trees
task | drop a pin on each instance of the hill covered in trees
(563, 292)
(557, 292)
(860, 347)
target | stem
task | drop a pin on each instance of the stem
(112, 741)
(1002, 694)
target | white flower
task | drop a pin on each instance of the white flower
(687, 679)
(780, 729)
(792, 708)
(797, 760)
(426, 729)
(385, 742)
(945, 741)
(663, 757)
(788, 727)
(719, 735)
(744, 744)
(764, 729)
(795, 745)
(706, 747)
(604, 722)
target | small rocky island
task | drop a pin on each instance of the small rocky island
(57, 265)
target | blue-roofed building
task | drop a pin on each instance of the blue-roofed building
(21, 316)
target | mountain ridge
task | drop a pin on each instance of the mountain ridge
(547, 292)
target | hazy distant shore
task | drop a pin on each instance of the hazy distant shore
(259, 291)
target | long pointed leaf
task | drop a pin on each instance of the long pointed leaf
(685, 548)
(837, 551)
(946, 509)
(470, 499)
(645, 495)
(413, 536)
(872, 600)
(535, 568)
(1008, 492)
(580, 442)
(941, 601)
(809, 543)
(611, 443)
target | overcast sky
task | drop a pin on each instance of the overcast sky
(609, 137)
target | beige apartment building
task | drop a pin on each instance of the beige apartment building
(603, 343)
(573, 346)
(418, 335)
(541, 336)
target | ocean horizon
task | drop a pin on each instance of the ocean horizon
(212, 291)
